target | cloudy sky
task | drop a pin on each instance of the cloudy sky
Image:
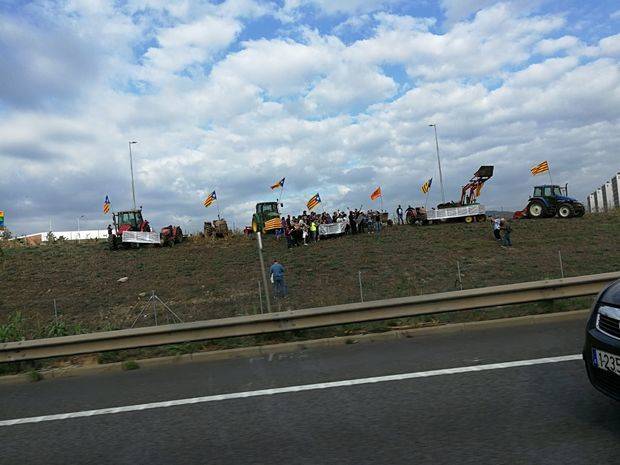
(335, 95)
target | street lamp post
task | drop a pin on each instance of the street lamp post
(133, 187)
(78, 221)
(443, 194)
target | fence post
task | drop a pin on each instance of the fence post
(359, 277)
(561, 264)
(55, 311)
(260, 297)
(458, 274)
(262, 270)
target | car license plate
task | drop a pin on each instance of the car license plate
(606, 361)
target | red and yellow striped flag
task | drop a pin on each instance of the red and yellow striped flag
(313, 202)
(210, 199)
(376, 194)
(275, 223)
(106, 205)
(541, 168)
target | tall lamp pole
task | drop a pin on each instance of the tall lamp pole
(81, 216)
(443, 194)
(133, 187)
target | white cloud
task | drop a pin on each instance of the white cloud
(610, 46)
(553, 46)
(186, 44)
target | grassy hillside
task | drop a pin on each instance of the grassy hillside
(206, 279)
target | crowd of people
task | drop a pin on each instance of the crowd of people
(305, 228)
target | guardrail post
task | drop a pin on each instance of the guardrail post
(359, 277)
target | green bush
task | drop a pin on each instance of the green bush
(13, 329)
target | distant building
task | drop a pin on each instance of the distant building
(37, 238)
(606, 197)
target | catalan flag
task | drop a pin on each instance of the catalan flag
(427, 186)
(210, 199)
(314, 201)
(275, 223)
(541, 168)
(376, 194)
(106, 205)
(279, 184)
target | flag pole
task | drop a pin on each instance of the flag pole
(381, 202)
(426, 199)
(217, 204)
(281, 193)
(549, 173)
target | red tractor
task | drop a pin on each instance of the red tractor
(130, 228)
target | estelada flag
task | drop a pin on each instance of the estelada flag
(314, 201)
(106, 205)
(376, 194)
(280, 183)
(541, 168)
(209, 200)
(275, 223)
(427, 186)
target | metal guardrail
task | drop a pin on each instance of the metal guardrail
(307, 318)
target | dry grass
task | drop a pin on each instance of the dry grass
(204, 279)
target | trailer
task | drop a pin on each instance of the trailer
(467, 213)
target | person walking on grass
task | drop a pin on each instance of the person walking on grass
(496, 228)
(506, 230)
(277, 278)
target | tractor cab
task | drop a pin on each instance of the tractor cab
(265, 211)
(130, 220)
(551, 192)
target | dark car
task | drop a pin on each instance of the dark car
(601, 352)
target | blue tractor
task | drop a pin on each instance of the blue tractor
(551, 200)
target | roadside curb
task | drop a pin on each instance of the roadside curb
(287, 347)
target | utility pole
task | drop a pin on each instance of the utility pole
(133, 187)
(443, 194)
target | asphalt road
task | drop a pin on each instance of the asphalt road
(545, 413)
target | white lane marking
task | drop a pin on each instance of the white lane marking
(284, 390)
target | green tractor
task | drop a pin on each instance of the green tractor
(552, 200)
(266, 218)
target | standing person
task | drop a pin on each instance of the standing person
(399, 215)
(287, 235)
(109, 230)
(496, 228)
(277, 278)
(352, 223)
(378, 224)
(313, 231)
(507, 229)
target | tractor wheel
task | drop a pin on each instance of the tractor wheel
(469, 219)
(481, 218)
(536, 210)
(112, 242)
(254, 225)
(566, 210)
